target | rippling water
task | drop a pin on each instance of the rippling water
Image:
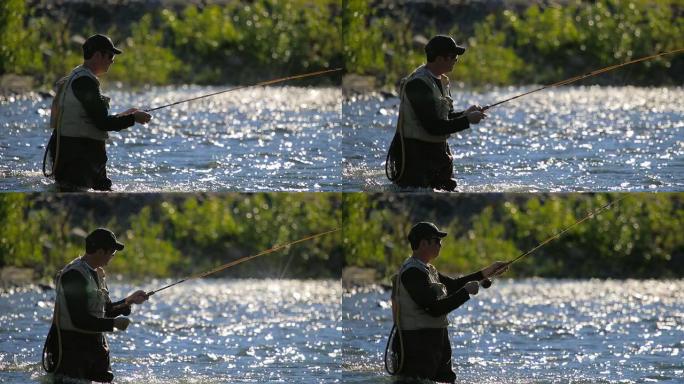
(540, 331)
(213, 331)
(272, 138)
(566, 139)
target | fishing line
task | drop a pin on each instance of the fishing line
(584, 76)
(263, 83)
(242, 260)
(486, 283)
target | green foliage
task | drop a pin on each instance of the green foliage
(232, 42)
(17, 43)
(18, 232)
(363, 235)
(501, 64)
(638, 237)
(145, 60)
(483, 243)
(147, 252)
(561, 42)
(178, 236)
(540, 44)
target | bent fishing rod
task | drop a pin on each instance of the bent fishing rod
(584, 76)
(486, 283)
(242, 260)
(263, 83)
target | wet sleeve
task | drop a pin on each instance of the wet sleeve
(417, 285)
(88, 93)
(118, 308)
(420, 96)
(454, 285)
(74, 286)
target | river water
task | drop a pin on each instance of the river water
(256, 139)
(210, 331)
(562, 140)
(540, 331)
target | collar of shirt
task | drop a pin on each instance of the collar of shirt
(421, 261)
(433, 75)
(88, 265)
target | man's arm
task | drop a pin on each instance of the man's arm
(88, 93)
(420, 96)
(454, 285)
(74, 285)
(120, 308)
(417, 284)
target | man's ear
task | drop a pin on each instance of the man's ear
(420, 243)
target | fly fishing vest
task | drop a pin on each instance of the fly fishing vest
(96, 297)
(411, 316)
(408, 123)
(68, 116)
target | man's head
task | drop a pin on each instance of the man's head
(101, 245)
(426, 240)
(98, 53)
(442, 53)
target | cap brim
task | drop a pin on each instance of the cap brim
(460, 50)
(441, 234)
(117, 51)
(118, 246)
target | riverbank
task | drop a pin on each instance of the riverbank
(174, 42)
(515, 42)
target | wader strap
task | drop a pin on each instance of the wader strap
(55, 321)
(396, 327)
(56, 132)
(399, 132)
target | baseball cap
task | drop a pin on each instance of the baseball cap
(102, 238)
(442, 45)
(98, 42)
(424, 230)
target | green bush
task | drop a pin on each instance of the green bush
(533, 45)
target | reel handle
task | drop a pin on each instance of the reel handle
(486, 283)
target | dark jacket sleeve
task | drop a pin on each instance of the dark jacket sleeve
(454, 285)
(417, 284)
(117, 309)
(74, 286)
(88, 93)
(420, 96)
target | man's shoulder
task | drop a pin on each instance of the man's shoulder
(416, 86)
(84, 82)
(72, 276)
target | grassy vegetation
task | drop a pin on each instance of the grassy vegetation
(176, 235)
(242, 41)
(531, 45)
(236, 42)
(639, 237)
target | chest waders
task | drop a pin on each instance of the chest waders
(47, 357)
(408, 125)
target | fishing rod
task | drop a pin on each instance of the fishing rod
(486, 283)
(584, 76)
(263, 83)
(241, 260)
